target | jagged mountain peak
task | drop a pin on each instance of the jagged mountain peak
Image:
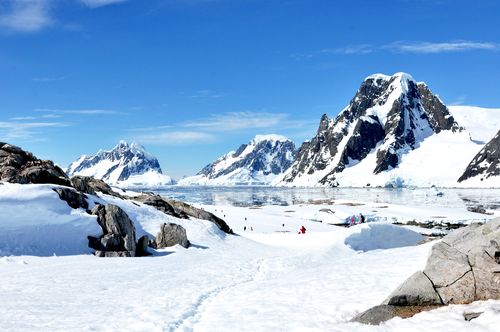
(124, 163)
(258, 162)
(270, 137)
(389, 116)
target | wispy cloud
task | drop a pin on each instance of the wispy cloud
(404, 47)
(207, 94)
(460, 100)
(31, 118)
(452, 46)
(15, 130)
(26, 15)
(47, 79)
(176, 138)
(238, 120)
(350, 49)
(214, 127)
(100, 3)
(81, 111)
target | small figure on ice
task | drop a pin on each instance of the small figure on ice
(302, 230)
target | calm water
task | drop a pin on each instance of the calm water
(247, 196)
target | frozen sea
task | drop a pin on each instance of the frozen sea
(258, 196)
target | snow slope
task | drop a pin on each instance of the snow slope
(268, 279)
(482, 123)
(259, 162)
(126, 166)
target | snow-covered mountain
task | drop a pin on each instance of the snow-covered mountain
(126, 165)
(257, 163)
(394, 132)
(486, 164)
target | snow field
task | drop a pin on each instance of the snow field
(268, 279)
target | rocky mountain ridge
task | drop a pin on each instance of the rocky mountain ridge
(389, 117)
(256, 163)
(126, 165)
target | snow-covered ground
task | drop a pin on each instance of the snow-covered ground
(267, 278)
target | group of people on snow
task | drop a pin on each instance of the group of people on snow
(354, 219)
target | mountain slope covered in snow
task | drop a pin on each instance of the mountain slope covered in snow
(126, 165)
(257, 163)
(485, 165)
(394, 132)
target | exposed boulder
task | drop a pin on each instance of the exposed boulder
(462, 268)
(160, 204)
(182, 210)
(92, 186)
(415, 291)
(376, 315)
(118, 230)
(142, 246)
(19, 166)
(74, 199)
(171, 234)
(100, 253)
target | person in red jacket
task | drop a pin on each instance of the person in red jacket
(302, 230)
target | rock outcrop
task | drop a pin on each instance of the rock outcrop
(486, 163)
(182, 210)
(161, 204)
(118, 232)
(74, 198)
(19, 166)
(171, 234)
(462, 268)
(91, 186)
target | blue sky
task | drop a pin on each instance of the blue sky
(193, 79)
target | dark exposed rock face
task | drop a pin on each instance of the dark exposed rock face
(486, 163)
(263, 156)
(19, 166)
(171, 234)
(142, 246)
(389, 114)
(180, 209)
(191, 211)
(161, 204)
(118, 230)
(74, 199)
(92, 186)
(460, 269)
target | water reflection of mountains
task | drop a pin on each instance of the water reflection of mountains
(260, 196)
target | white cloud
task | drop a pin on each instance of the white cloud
(350, 49)
(48, 79)
(82, 111)
(406, 47)
(100, 3)
(209, 94)
(238, 120)
(452, 46)
(176, 138)
(26, 15)
(25, 130)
